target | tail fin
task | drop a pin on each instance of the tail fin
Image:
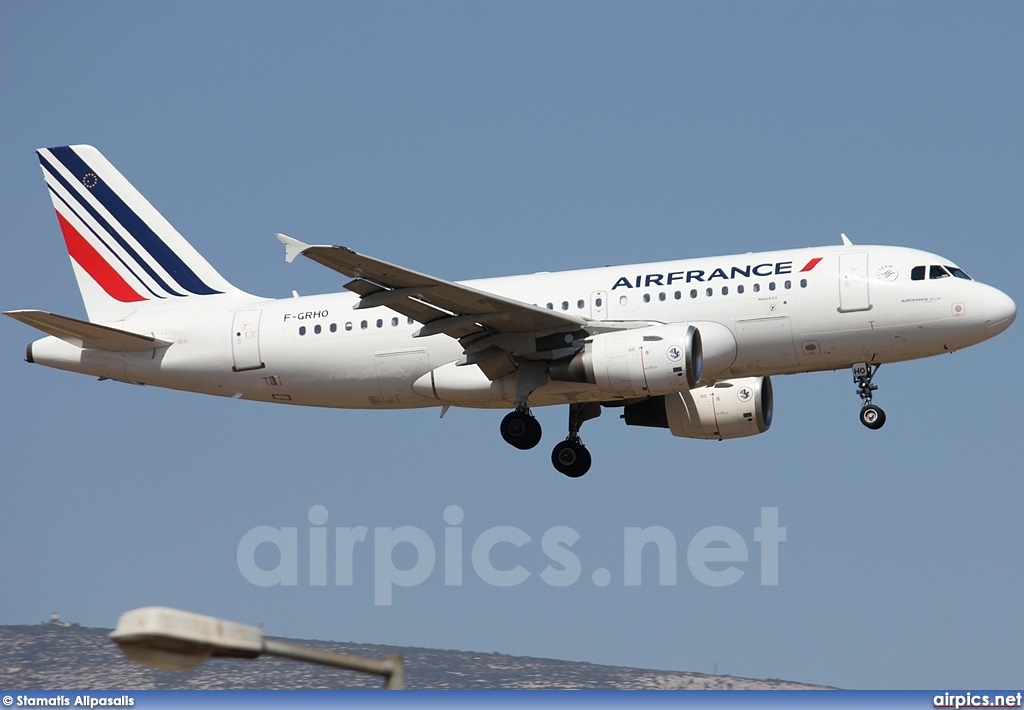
(126, 256)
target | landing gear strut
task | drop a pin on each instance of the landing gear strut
(521, 429)
(571, 457)
(871, 415)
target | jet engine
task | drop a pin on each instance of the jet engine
(637, 363)
(729, 409)
(650, 361)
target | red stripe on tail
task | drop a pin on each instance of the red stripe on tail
(95, 265)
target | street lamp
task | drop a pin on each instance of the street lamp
(175, 640)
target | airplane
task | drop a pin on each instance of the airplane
(688, 345)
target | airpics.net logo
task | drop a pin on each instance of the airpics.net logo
(716, 556)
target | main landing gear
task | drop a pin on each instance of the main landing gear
(521, 429)
(871, 415)
(570, 457)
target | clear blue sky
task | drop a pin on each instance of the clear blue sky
(479, 139)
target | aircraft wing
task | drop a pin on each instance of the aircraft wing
(470, 315)
(87, 335)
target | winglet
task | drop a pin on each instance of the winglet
(846, 240)
(292, 247)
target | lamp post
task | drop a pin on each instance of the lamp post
(175, 640)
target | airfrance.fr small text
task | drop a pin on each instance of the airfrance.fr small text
(80, 701)
(976, 700)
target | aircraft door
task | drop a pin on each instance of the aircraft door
(245, 341)
(599, 305)
(853, 282)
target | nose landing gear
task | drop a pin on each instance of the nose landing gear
(871, 415)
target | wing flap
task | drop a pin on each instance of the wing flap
(87, 335)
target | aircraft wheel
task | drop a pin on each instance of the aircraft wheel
(872, 416)
(571, 458)
(521, 430)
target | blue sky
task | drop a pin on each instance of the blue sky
(483, 139)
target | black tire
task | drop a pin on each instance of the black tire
(535, 433)
(520, 430)
(872, 416)
(571, 458)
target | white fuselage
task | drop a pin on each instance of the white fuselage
(787, 313)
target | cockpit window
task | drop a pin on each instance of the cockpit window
(938, 272)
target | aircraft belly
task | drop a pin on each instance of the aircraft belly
(345, 370)
(325, 373)
(764, 344)
(396, 371)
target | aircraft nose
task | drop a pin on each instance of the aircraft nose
(1000, 311)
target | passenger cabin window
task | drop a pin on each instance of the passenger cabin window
(917, 273)
(937, 272)
(579, 304)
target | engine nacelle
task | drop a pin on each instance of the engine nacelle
(729, 409)
(637, 363)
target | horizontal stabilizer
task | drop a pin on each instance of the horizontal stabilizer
(87, 335)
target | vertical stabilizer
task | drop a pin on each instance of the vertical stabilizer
(125, 255)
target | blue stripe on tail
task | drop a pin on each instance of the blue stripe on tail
(106, 226)
(143, 234)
